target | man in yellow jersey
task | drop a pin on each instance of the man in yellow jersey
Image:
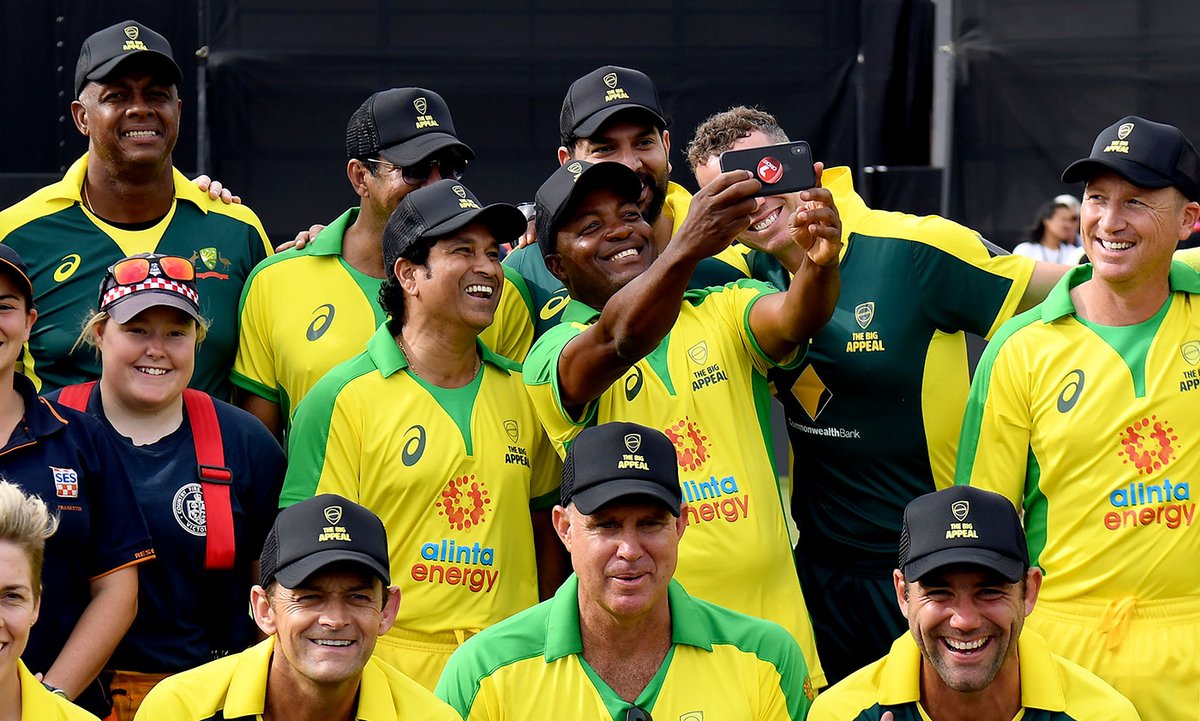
(965, 586)
(873, 412)
(635, 344)
(122, 198)
(306, 310)
(436, 434)
(325, 599)
(1083, 413)
(621, 639)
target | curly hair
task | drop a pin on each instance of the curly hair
(719, 132)
(391, 294)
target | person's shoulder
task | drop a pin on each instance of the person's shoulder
(1090, 697)
(410, 700)
(188, 191)
(723, 626)
(517, 638)
(242, 422)
(850, 697)
(195, 694)
(45, 201)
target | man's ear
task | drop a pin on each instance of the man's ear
(563, 155)
(261, 611)
(391, 606)
(562, 525)
(901, 591)
(1033, 585)
(357, 172)
(406, 275)
(666, 137)
(554, 265)
(79, 115)
(1191, 215)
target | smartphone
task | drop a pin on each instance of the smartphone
(783, 168)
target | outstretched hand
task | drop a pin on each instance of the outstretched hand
(817, 227)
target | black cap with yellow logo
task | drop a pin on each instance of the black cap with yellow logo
(1143, 152)
(619, 461)
(571, 182)
(962, 525)
(104, 50)
(320, 531)
(600, 94)
(404, 126)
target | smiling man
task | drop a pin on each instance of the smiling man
(122, 198)
(1082, 413)
(325, 598)
(436, 434)
(621, 640)
(965, 586)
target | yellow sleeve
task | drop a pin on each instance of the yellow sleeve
(511, 331)
(254, 364)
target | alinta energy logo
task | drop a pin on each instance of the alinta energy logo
(464, 502)
(707, 500)
(1148, 444)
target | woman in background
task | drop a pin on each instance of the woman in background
(1052, 235)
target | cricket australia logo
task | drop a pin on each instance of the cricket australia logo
(188, 507)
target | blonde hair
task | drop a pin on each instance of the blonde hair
(26, 522)
(96, 319)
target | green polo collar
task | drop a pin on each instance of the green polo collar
(329, 240)
(1058, 303)
(386, 355)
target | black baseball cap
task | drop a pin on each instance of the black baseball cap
(440, 209)
(1146, 153)
(105, 49)
(572, 181)
(404, 126)
(160, 286)
(962, 524)
(600, 94)
(620, 460)
(13, 266)
(317, 532)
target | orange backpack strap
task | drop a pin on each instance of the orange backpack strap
(215, 479)
(76, 396)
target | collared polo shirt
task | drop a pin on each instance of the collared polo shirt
(38, 704)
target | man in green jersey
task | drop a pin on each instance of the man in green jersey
(874, 410)
(306, 310)
(636, 344)
(124, 197)
(621, 639)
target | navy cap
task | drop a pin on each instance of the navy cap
(618, 460)
(572, 181)
(600, 94)
(962, 525)
(320, 531)
(440, 209)
(1143, 152)
(104, 50)
(404, 126)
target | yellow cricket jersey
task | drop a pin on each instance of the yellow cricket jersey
(722, 665)
(1052, 688)
(235, 688)
(452, 473)
(704, 386)
(38, 704)
(302, 312)
(1191, 256)
(1090, 429)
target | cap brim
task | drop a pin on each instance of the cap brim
(1085, 169)
(593, 122)
(295, 573)
(105, 69)
(505, 221)
(124, 309)
(11, 269)
(611, 175)
(1011, 569)
(591, 499)
(423, 146)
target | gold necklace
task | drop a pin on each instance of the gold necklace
(408, 361)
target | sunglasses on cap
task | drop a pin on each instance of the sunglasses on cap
(451, 167)
(135, 270)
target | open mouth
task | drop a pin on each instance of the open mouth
(966, 647)
(141, 133)
(480, 291)
(768, 221)
(332, 642)
(151, 371)
(1114, 245)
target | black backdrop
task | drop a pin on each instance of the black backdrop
(269, 85)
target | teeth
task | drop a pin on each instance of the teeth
(966, 645)
(486, 290)
(627, 253)
(153, 371)
(1113, 245)
(767, 221)
(140, 134)
(332, 642)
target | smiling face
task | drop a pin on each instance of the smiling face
(601, 245)
(1129, 233)
(130, 118)
(769, 225)
(15, 322)
(966, 621)
(624, 555)
(632, 139)
(461, 279)
(326, 627)
(18, 605)
(147, 362)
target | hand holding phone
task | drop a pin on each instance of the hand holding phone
(784, 168)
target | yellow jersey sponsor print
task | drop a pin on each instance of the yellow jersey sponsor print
(721, 665)
(1092, 430)
(452, 473)
(705, 387)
